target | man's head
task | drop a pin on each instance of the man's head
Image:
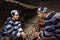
(15, 14)
(42, 12)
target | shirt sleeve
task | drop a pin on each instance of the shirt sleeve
(20, 29)
(17, 29)
(49, 28)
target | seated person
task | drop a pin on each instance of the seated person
(13, 25)
(51, 24)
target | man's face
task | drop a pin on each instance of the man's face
(41, 14)
(16, 17)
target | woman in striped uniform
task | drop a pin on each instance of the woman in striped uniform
(13, 25)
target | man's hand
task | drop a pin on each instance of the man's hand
(35, 35)
(23, 35)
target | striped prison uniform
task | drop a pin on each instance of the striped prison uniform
(12, 27)
(51, 26)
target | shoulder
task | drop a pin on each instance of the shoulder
(8, 21)
(55, 15)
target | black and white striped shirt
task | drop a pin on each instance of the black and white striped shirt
(12, 27)
(51, 26)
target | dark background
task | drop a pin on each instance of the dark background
(27, 13)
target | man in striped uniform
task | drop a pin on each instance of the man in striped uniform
(13, 25)
(51, 25)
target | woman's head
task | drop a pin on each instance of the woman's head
(15, 14)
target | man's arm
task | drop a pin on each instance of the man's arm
(48, 29)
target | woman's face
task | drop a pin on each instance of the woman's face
(16, 17)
